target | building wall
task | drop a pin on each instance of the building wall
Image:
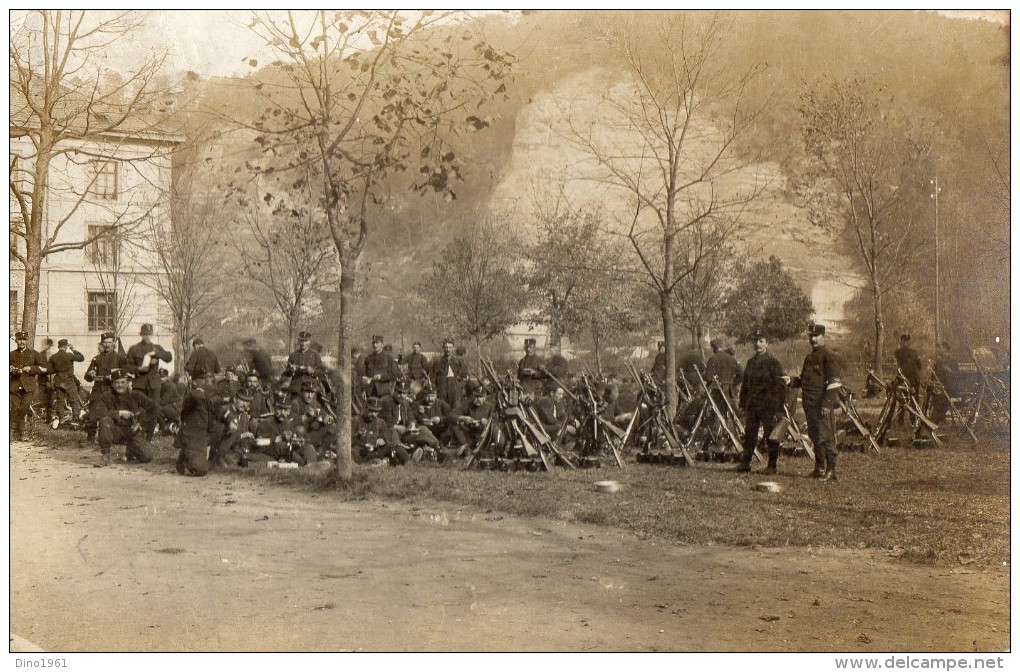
(141, 209)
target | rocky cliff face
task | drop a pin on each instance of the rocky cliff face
(548, 161)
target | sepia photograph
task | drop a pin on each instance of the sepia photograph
(494, 331)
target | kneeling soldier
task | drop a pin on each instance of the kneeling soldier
(124, 416)
(198, 415)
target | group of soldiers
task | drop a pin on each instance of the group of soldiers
(402, 409)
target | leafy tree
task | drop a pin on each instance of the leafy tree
(870, 151)
(474, 290)
(62, 95)
(685, 115)
(766, 297)
(364, 96)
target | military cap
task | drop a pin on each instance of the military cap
(403, 385)
(480, 391)
(147, 330)
(717, 343)
(163, 373)
(197, 342)
(304, 336)
(244, 395)
(757, 335)
(107, 335)
(281, 397)
(119, 374)
(448, 341)
(529, 341)
(377, 339)
(20, 336)
(816, 330)
(62, 342)
(373, 404)
(309, 386)
(418, 343)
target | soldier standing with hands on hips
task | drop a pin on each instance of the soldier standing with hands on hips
(819, 382)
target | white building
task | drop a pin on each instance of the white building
(113, 182)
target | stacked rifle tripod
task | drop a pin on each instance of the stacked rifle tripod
(900, 402)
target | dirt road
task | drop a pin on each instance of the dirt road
(129, 559)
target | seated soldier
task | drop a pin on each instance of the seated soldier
(281, 438)
(233, 434)
(123, 415)
(471, 419)
(611, 410)
(552, 410)
(315, 418)
(170, 401)
(198, 412)
(405, 427)
(372, 440)
(433, 413)
(261, 402)
(230, 384)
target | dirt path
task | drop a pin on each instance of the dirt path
(132, 560)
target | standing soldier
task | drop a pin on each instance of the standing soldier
(529, 369)
(909, 363)
(723, 367)
(448, 375)
(303, 364)
(690, 364)
(26, 365)
(102, 364)
(819, 382)
(659, 365)
(64, 382)
(417, 364)
(762, 399)
(258, 360)
(380, 372)
(143, 362)
(947, 371)
(198, 416)
(203, 357)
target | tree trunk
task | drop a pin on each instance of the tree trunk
(344, 462)
(669, 336)
(30, 311)
(879, 333)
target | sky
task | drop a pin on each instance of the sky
(218, 42)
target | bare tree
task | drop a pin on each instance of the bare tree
(475, 288)
(874, 155)
(290, 254)
(706, 270)
(683, 167)
(63, 97)
(365, 96)
(189, 256)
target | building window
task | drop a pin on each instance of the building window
(104, 249)
(14, 310)
(104, 180)
(102, 311)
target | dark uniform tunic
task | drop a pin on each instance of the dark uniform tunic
(24, 386)
(381, 364)
(281, 431)
(724, 367)
(818, 381)
(260, 362)
(909, 363)
(65, 384)
(529, 373)
(435, 417)
(305, 365)
(147, 381)
(318, 423)
(113, 429)
(100, 368)
(204, 358)
(417, 366)
(448, 375)
(690, 364)
(198, 418)
(947, 370)
(467, 433)
(367, 431)
(762, 399)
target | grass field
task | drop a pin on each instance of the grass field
(942, 506)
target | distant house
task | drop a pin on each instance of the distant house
(112, 186)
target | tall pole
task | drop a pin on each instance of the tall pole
(938, 316)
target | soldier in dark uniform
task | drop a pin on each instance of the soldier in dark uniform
(417, 364)
(123, 415)
(64, 382)
(198, 417)
(261, 403)
(203, 357)
(258, 360)
(690, 364)
(659, 365)
(143, 363)
(448, 375)
(102, 364)
(319, 425)
(723, 367)
(819, 382)
(552, 409)
(909, 363)
(26, 365)
(233, 433)
(947, 370)
(471, 419)
(373, 440)
(304, 364)
(282, 434)
(44, 397)
(529, 369)
(762, 399)
(380, 372)
(434, 414)
(171, 401)
(404, 423)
